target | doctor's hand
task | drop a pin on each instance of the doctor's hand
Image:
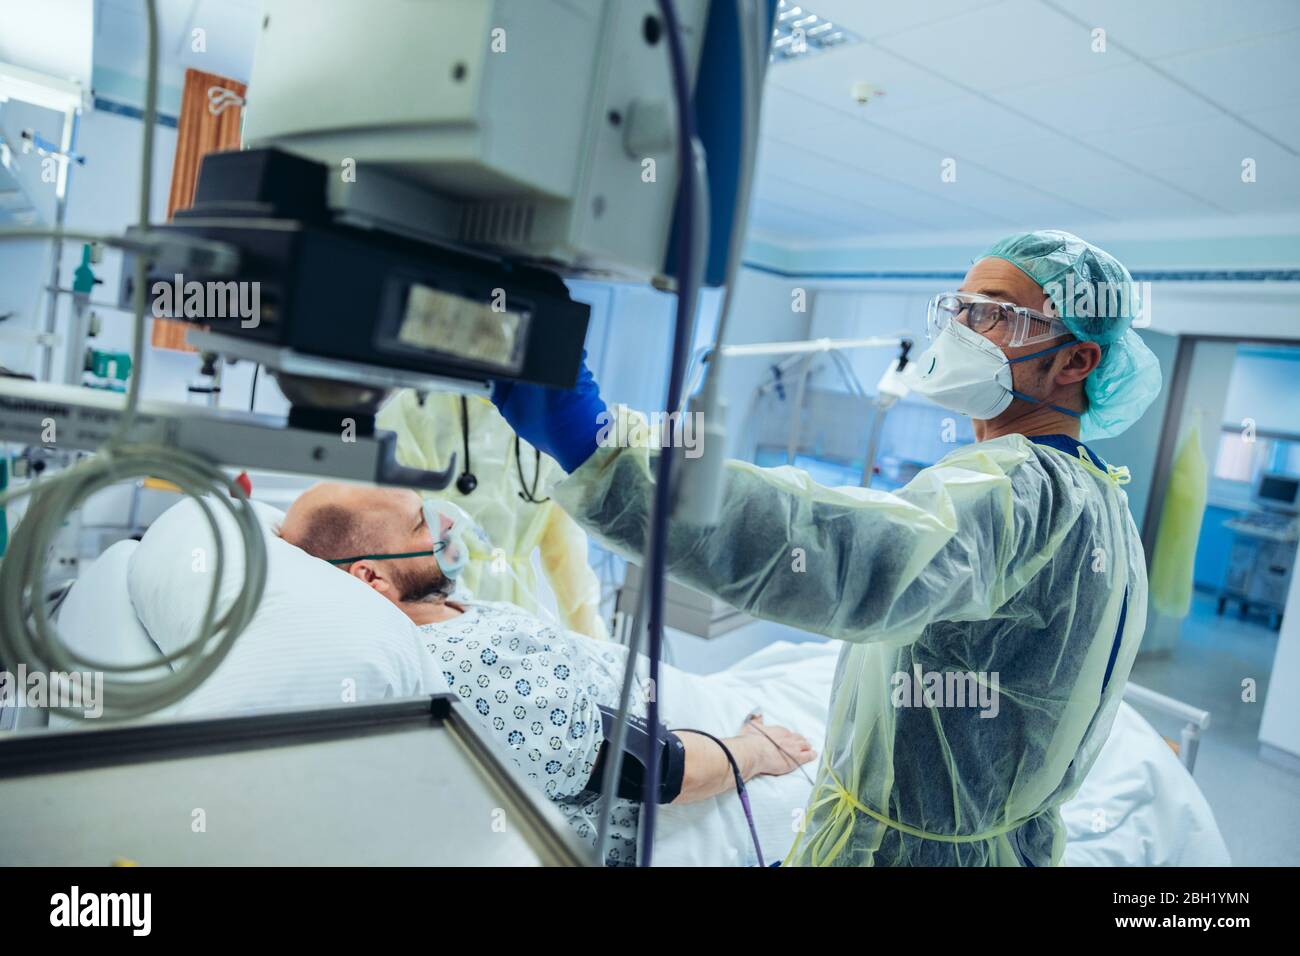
(784, 751)
(563, 423)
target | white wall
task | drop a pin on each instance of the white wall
(55, 37)
(1245, 310)
(631, 332)
(841, 314)
(629, 337)
(1280, 724)
(1265, 389)
(103, 197)
(763, 310)
(24, 264)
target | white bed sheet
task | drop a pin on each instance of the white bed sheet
(1137, 807)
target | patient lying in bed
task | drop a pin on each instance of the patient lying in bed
(539, 691)
(545, 694)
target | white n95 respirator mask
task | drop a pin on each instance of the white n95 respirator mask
(967, 373)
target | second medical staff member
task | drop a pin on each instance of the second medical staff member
(498, 485)
(1015, 558)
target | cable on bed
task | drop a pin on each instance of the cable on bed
(741, 792)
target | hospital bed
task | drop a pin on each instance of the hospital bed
(1138, 805)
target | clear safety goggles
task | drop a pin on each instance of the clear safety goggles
(1006, 324)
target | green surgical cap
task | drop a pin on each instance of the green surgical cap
(1097, 299)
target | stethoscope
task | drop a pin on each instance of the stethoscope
(468, 481)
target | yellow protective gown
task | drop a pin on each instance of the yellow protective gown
(429, 434)
(1008, 560)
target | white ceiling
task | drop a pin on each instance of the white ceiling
(52, 37)
(1044, 131)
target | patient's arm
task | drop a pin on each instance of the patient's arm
(769, 750)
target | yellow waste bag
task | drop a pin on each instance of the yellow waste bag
(1180, 527)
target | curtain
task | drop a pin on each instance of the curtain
(199, 132)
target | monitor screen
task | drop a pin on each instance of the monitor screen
(1278, 490)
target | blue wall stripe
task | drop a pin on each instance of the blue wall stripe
(125, 109)
(1168, 275)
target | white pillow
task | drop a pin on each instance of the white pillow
(319, 637)
(97, 618)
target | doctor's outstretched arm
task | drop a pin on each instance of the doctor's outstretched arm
(850, 563)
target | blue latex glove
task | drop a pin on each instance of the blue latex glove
(563, 423)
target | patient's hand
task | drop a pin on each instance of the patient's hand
(784, 751)
(757, 749)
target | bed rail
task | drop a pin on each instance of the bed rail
(1196, 719)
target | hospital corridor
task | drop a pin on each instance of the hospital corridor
(700, 435)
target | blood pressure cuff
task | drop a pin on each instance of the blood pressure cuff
(631, 777)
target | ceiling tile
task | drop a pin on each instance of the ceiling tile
(819, 199)
(830, 78)
(953, 125)
(1282, 123)
(873, 20)
(1017, 202)
(869, 148)
(1244, 77)
(786, 115)
(1159, 28)
(1129, 96)
(1116, 191)
(998, 48)
(832, 209)
(921, 167)
(857, 184)
(1222, 142)
(790, 223)
(1275, 190)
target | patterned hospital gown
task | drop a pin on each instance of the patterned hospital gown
(535, 689)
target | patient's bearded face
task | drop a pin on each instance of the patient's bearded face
(416, 579)
(420, 580)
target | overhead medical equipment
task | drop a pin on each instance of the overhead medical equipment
(451, 239)
(388, 241)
